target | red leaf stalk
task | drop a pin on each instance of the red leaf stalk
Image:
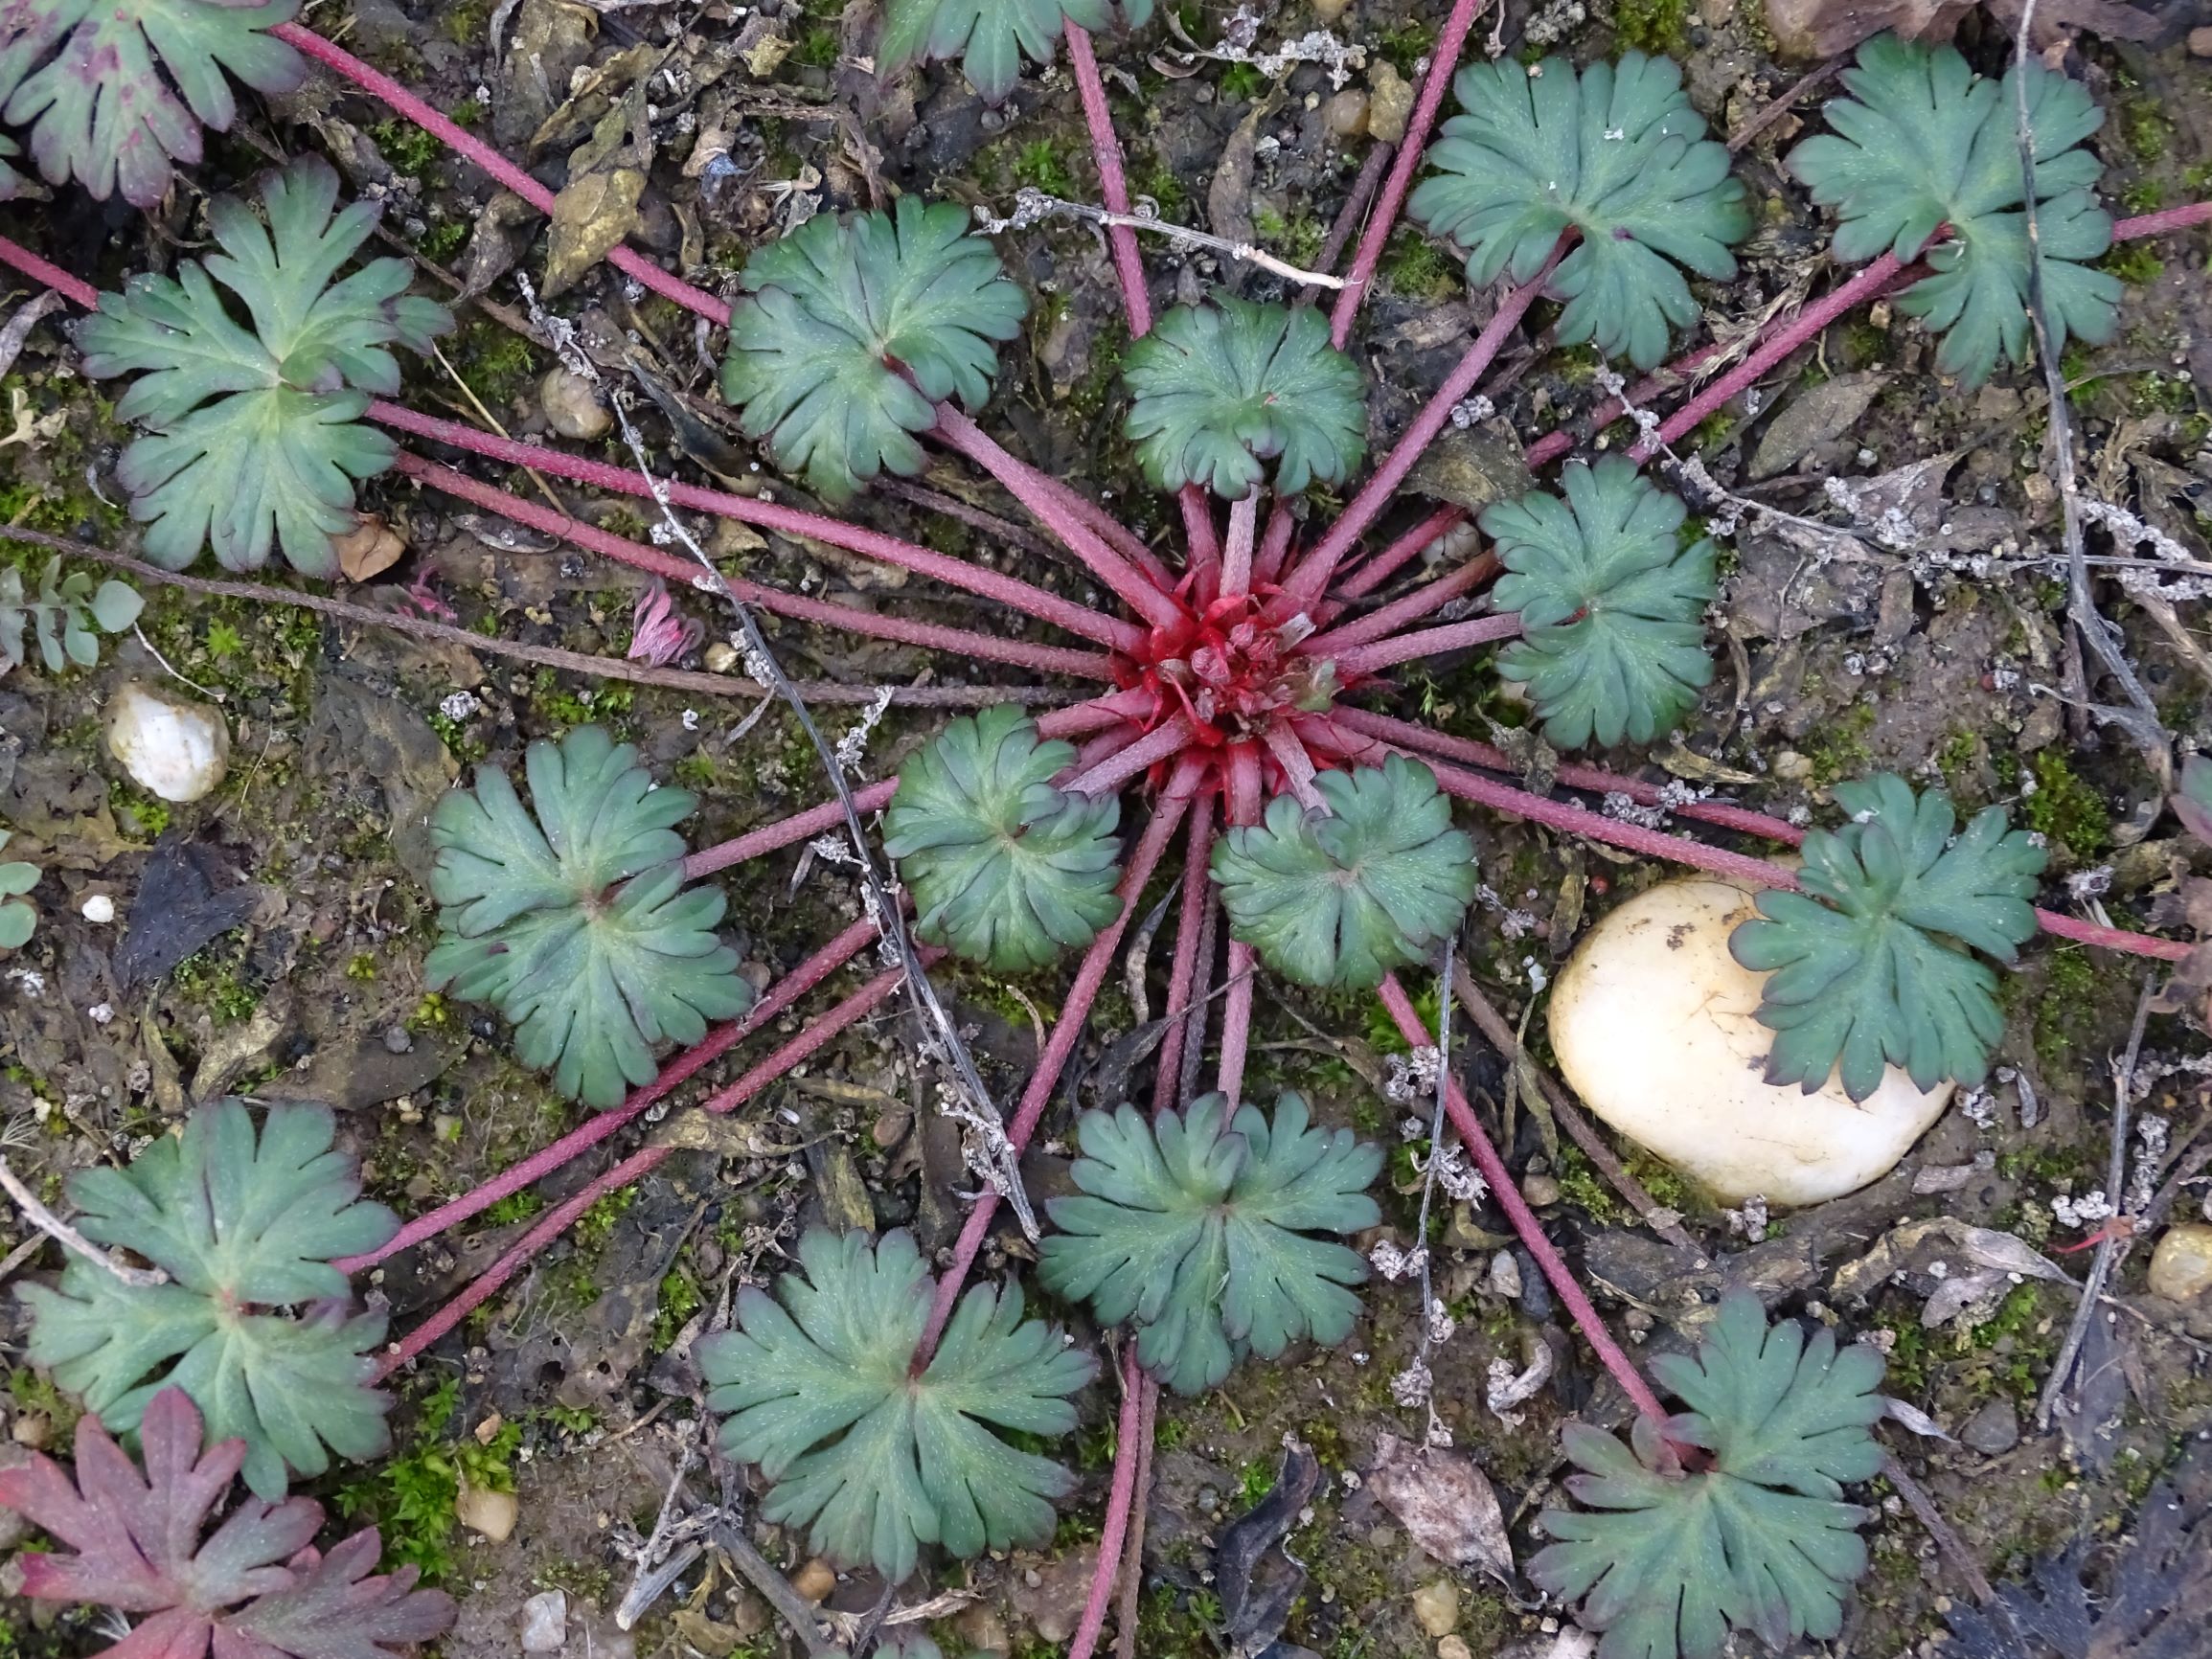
(1386, 620)
(626, 259)
(1237, 557)
(534, 1168)
(637, 1165)
(1105, 147)
(1008, 590)
(1034, 492)
(1441, 63)
(1502, 1189)
(75, 289)
(1183, 966)
(1372, 575)
(1066, 1032)
(1163, 742)
(1428, 643)
(1119, 1499)
(1242, 806)
(930, 636)
(1306, 584)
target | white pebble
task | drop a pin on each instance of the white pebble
(99, 910)
(171, 746)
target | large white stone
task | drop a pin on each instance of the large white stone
(172, 746)
(1652, 1024)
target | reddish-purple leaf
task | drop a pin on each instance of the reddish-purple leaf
(138, 1550)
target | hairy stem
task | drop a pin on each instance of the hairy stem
(790, 521)
(1105, 147)
(1242, 808)
(1237, 555)
(1164, 743)
(530, 1171)
(626, 259)
(639, 1164)
(1442, 61)
(1066, 1032)
(1372, 575)
(1036, 493)
(1306, 584)
(1400, 1007)
(1428, 643)
(930, 636)
(1275, 544)
(1379, 624)
(1120, 1496)
(1183, 966)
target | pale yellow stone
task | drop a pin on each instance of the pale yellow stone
(2182, 1266)
(489, 1513)
(1652, 1024)
(1436, 1607)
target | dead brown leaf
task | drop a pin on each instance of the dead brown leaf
(1444, 1502)
(590, 216)
(371, 548)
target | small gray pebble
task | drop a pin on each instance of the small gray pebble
(1994, 1429)
(397, 1041)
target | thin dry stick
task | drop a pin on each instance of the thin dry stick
(2141, 723)
(774, 1588)
(70, 1239)
(1033, 205)
(1570, 1116)
(547, 656)
(2115, 1176)
(1435, 1434)
(1947, 1541)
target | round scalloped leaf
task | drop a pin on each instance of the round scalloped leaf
(1615, 153)
(1923, 141)
(990, 38)
(1863, 967)
(1343, 897)
(103, 113)
(1666, 1560)
(242, 1225)
(576, 923)
(1220, 388)
(853, 328)
(1006, 869)
(908, 1459)
(1611, 606)
(1196, 1232)
(256, 436)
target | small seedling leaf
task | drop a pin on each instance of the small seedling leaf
(102, 112)
(1198, 1231)
(1872, 964)
(1005, 868)
(1612, 604)
(1342, 896)
(255, 437)
(1923, 141)
(574, 922)
(1220, 389)
(246, 1227)
(990, 38)
(853, 328)
(1615, 153)
(62, 616)
(1665, 1561)
(138, 1550)
(912, 1462)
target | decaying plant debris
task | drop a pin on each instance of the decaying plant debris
(1229, 662)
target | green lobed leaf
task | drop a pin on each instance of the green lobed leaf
(1923, 141)
(1615, 153)
(242, 1224)
(62, 616)
(851, 329)
(1343, 897)
(115, 93)
(1219, 388)
(1197, 1231)
(575, 922)
(135, 1547)
(255, 437)
(1666, 1561)
(817, 1388)
(990, 38)
(1612, 605)
(1005, 868)
(1871, 964)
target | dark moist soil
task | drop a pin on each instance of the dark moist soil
(574, 1386)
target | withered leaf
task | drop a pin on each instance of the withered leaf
(590, 216)
(1444, 1502)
